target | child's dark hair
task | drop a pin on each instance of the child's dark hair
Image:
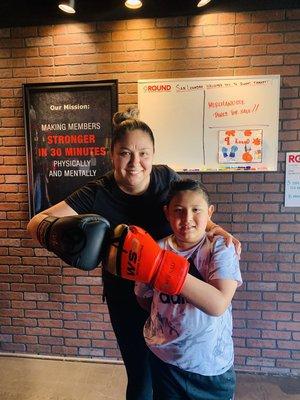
(187, 184)
(128, 121)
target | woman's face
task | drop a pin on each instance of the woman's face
(132, 158)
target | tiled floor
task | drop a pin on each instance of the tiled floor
(45, 379)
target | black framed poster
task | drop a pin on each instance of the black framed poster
(68, 128)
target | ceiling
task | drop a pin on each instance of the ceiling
(42, 12)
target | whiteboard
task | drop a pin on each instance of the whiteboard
(213, 124)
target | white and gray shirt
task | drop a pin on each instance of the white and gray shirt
(179, 333)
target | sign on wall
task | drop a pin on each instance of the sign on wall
(292, 180)
(213, 124)
(68, 130)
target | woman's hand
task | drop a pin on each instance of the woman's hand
(215, 230)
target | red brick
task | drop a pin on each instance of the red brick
(50, 323)
(263, 247)
(11, 295)
(49, 305)
(171, 22)
(13, 347)
(276, 353)
(278, 257)
(38, 348)
(91, 334)
(284, 48)
(75, 289)
(37, 314)
(267, 38)
(288, 326)
(289, 307)
(15, 330)
(78, 342)
(51, 340)
(23, 304)
(261, 343)
(264, 305)
(244, 351)
(277, 297)
(289, 364)
(91, 352)
(37, 331)
(106, 344)
(112, 354)
(76, 307)
(278, 316)
(264, 325)
(24, 322)
(276, 335)
(260, 361)
(25, 339)
(48, 288)
(88, 299)
(105, 326)
(90, 317)
(77, 325)
(243, 295)
(288, 344)
(251, 28)
(278, 277)
(64, 315)
(64, 332)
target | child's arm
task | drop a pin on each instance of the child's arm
(144, 295)
(213, 298)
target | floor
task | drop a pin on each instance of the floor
(45, 379)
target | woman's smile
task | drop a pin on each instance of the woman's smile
(132, 158)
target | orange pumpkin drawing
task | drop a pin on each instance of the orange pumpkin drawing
(247, 157)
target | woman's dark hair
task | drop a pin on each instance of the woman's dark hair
(128, 121)
(187, 184)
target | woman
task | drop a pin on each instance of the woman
(133, 193)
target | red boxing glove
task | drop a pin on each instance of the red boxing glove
(135, 255)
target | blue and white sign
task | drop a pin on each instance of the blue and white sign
(292, 180)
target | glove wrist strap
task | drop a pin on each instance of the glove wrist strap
(43, 230)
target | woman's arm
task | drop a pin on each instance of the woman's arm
(213, 229)
(213, 298)
(58, 210)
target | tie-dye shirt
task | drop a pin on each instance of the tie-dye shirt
(179, 333)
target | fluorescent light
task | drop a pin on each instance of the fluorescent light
(133, 4)
(203, 3)
(67, 6)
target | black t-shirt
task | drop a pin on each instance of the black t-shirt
(104, 197)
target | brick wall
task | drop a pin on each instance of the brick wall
(50, 309)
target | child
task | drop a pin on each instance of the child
(189, 335)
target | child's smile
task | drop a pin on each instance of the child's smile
(188, 213)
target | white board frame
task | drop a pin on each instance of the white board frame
(187, 114)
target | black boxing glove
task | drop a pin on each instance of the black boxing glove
(79, 240)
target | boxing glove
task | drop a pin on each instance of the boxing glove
(80, 240)
(134, 255)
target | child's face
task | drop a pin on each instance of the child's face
(188, 213)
